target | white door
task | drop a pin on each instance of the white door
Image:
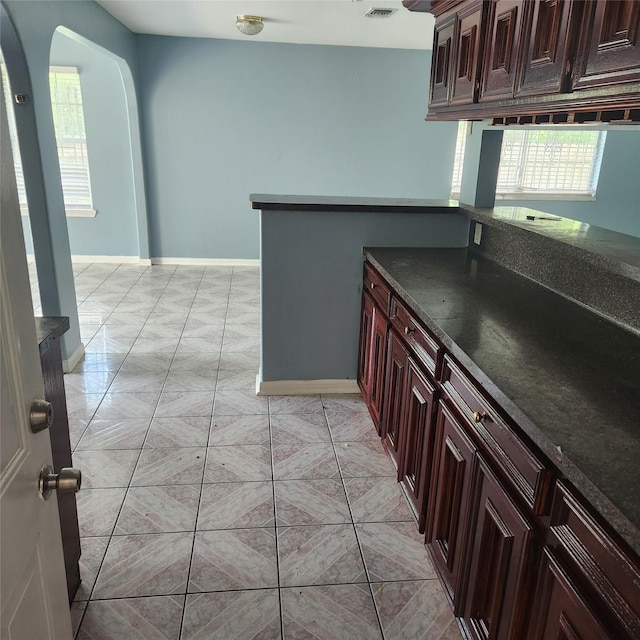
(33, 589)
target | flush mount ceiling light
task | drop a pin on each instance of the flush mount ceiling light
(249, 25)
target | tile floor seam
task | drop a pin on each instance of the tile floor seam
(364, 563)
(204, 466)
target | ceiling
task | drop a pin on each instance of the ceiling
(330, 22)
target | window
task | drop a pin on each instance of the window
(68, 119)
(542, 164)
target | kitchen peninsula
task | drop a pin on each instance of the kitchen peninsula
(556, 381)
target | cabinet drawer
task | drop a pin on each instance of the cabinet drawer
(377, 287)
(529, 475)
(608, 574)
(426, 349)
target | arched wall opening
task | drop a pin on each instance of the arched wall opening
(27, 30)
(119, 228)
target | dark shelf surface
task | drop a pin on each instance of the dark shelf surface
(270, 202)
(50, 327)
(568, 377)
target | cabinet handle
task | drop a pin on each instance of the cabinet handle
(408, 330)
(479, 417)
(372, 285)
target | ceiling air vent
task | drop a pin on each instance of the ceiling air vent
(379, 13)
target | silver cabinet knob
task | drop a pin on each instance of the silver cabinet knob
(67, 481)
(40, 415)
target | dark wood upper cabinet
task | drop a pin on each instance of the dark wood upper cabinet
(609, 49)
(504, 25)
(465, 66)
(418, 441)
(544, 58)
(442, 62)
(513, 60)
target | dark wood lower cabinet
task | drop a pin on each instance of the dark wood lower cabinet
(418, 441)
(451, 489)
(560, 611)
(397, 362)
(373, 348)
(500, 552)
(520, 554)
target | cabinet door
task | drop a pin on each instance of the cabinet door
(377, 361)
(500, 552)
(500, 59)
(397, 359)
(467, 55)
(607, 573)
(364, 355)
(442, 62)
(373, 344)
(609, 50)
(417, 441)
(544, 63)
(447, 525)
(560, 611)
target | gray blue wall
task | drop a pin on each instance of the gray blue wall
(310, 313)
(224, 119)
(114, 230)
(617, 203)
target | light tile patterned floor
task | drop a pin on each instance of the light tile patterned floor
(209, 513)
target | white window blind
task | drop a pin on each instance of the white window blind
(542, 162)
(548, 162)
(458, 161)
(68, 120)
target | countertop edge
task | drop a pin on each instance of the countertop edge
(50, 327)
(491, 216)
(268, 202)
(627, 531)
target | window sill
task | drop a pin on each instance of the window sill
(583, 197)
(567, 197)
(71, 213)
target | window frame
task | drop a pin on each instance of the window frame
(73, 209)
(525, 194)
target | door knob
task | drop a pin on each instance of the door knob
(40, 415)
(67, 481)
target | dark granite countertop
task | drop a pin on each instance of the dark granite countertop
(50, 327)
(567, 376)
(271, 202)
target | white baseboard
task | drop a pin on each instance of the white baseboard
(70, 363)
(304, 387)
(80, 259)
(214, 262)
